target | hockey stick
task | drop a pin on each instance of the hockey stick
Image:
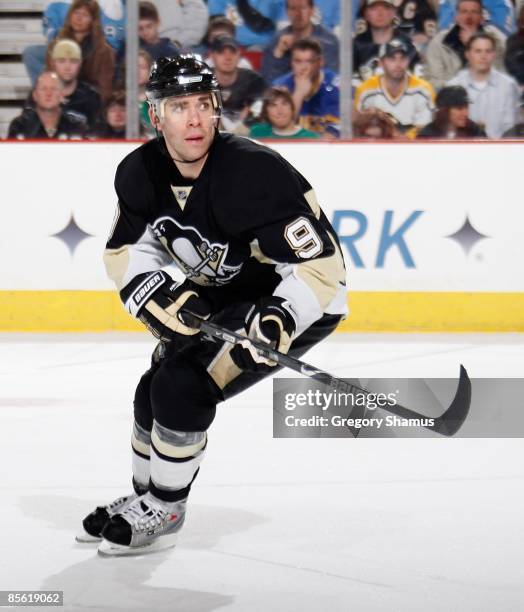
(447, 424)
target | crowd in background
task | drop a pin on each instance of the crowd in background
(421, 70)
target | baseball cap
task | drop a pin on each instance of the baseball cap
(370, 2)
(453, 96)
(66, 49)
(222, 42)
(395, 45)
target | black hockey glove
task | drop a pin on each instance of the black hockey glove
(156, 300)
(269, 321)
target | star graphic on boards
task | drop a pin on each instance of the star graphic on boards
(71, 235)
(467, 236)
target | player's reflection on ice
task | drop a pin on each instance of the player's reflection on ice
(103, 584)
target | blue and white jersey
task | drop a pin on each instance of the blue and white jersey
(320, 111)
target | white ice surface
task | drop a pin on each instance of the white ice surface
(273, 525)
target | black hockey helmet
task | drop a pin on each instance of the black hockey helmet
(182, 76)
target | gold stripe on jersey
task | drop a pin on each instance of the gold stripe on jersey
(117, 263)
(311, 198)
(256, 252)
(324, 275)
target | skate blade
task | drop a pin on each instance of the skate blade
(109, 549)
(86, 538)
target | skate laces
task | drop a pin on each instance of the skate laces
(143, 515)
(116, 505)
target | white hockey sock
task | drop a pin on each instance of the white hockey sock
(140, 455)
(175, 459)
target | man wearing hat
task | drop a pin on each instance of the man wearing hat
(380, 18)
(452, 117)
(241, 87)
(79, 96)
(409, 99)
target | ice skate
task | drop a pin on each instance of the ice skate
(147, 525)
(96, 520)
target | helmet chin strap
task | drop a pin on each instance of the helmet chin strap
(189, 161)
(163, 147)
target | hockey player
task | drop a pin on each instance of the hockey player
(258, 255)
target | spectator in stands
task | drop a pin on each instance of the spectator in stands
(418, 20)
(255, 20)
(240, 87)
(113, 124)
(218, 26)
(276, 60)
(183, 21)
(498, 13)
(494, 96)
(517, 131)
(148, 27)
(514, 58)
(380, 16)
(55, 11)
(79, 97)
(397, 92)
(47, 119)
(446, 53)
(144, 66)
(83, 25)
(374, 124)
(314, 90)
(278, 117)
(452, 117)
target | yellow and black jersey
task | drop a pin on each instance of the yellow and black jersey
(414, 106)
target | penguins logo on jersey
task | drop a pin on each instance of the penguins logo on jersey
(200, 260)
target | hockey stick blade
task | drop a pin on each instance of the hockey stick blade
(447, 424)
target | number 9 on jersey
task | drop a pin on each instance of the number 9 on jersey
(303, 239)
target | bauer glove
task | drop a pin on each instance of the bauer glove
(269, 321)
(156, 299)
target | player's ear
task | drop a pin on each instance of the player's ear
(153, 117)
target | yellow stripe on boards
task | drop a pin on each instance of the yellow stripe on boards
(95, 311)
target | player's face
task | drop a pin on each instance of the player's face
(48, 92)
(380, 15)
(67, 69)
(481, 55)
(280, 113)
(81, 20)
(116, 116)
(148, 30)
(395, 67)
(305, 63)
(299, 13)
(188, 125)
(226, 60)
(458, 116)
(469, 15)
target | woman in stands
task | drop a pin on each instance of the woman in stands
(278, 117)
(83, 25)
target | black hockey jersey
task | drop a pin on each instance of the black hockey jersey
(249, 226)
